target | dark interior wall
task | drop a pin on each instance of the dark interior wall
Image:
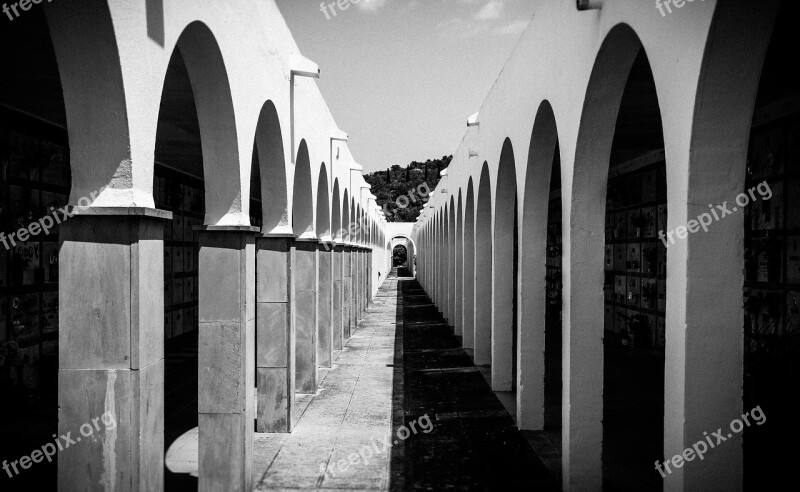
(772, 265)
(635, 290)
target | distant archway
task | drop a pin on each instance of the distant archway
(399, 256)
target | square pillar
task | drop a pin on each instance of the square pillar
(362, 284)
(347, 291)
(325, 324)
(338, 296)
(368, 278)
(275, 335)
(306, 281)
(227, 349)
(355, 290)
(111, 348)
(358, 289)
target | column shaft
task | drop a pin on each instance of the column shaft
(338, 295)
(325, 325)
(306, 281)
(226, 385)
(275, 356)
(111, 349)
(347, 292)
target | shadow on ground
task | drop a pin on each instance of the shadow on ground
(474, 444)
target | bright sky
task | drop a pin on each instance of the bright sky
(402, 76)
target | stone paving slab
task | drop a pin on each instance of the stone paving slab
(474, 444)
(334, 443)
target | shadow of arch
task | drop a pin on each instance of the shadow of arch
(323, 222)
(359, 224)
(302, 197)
(87, 55)
(351, 226)
(336, 212)
(483, 271)
(345, 227)
(217, 120)
(272, 168)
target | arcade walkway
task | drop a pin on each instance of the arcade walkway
(381, 387)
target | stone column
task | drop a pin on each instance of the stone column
(359, 282)
(226, 385)
(347, 292)
(111, 348)
(354, 269)
(325, 325)
(275, 335)
(338, 297)
(363, 285)
(364, 281)
(306, 277)
(370, 271)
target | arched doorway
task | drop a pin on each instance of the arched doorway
(772, 265)
(400, 257)
(483, 272)
(504, 277)
(469, 269)
(179, 187)
(540, 400)
(614, 392)
(635, 289)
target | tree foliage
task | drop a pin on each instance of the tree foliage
(402, 191)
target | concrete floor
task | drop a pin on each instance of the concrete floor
(402, 408)
(340, 441)
(475, 444)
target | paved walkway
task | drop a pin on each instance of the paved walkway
(402, 408)
(342, 440)
(475, 444)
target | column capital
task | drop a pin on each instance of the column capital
(121, 211)
(278, 235)
(228, 228)
(312, 240)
